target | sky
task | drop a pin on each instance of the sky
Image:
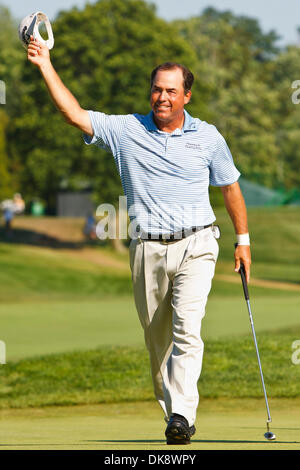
(281, 15)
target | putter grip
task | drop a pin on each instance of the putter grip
(244, 281)
(243, 276)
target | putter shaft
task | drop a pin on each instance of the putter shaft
(246, 294)
(259, 364)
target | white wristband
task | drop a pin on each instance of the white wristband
(243, 239)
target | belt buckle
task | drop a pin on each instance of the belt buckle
(168, 238)
(164, 240)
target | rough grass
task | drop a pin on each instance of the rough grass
(28, 271)
(112, 374)
(118, 374)
(39, 273)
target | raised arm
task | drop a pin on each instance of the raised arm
(66, 103)
(236, 208)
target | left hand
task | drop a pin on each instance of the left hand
(242, 254)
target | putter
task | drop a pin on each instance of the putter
(270, 436)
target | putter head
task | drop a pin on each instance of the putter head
(270, 436)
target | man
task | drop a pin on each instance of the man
(10, 208)
(166, 161)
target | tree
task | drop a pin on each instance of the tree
(11, 59)
(104, 54)
(285, 73)
(235, 67)
(6, 188)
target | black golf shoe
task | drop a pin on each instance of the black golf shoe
(178, 431)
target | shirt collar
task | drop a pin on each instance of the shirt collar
(189, 123)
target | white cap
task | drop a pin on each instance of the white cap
(29, 26)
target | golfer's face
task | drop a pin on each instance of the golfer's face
(167, 95)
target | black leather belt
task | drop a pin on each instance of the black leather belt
(173, 237)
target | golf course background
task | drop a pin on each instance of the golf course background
(77, 372)
(73, 337)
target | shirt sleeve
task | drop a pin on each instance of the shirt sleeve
(222, 169)
(108, 130)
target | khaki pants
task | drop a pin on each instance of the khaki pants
(171, 283)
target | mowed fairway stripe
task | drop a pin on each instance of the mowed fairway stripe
(229, 316)
(221, 424)
(288, 286)
(36, 328)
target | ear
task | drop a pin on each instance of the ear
(187, 97)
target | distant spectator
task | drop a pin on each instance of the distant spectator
(19, 204)
(90, 227)
(10, 208)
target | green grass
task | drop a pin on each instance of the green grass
(72, 333)
(118, 374)
(222, 424)
(43, 327)
(30, 273)
(40, 327)
(275, 234)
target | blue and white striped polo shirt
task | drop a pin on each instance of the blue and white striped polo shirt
(165, 176)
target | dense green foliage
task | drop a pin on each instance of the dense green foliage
(11, 59)
(5, 177)
(249, 100)
(105, 53)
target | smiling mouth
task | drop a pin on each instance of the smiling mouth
(162, 107)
